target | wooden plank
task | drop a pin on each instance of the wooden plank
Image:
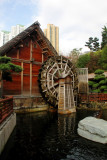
(22, 78)
(31, 67)
(17, 53)
(30, 78)
(14, 87)
(26, 85)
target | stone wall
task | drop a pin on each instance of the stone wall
(6, 129)
(29, 104)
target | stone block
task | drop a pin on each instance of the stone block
(93, 129)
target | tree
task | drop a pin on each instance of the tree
(74, 55)
(83, 60)
(93, 63)
(6, 68)
(89, 43)
(103, 58)
(96, 45)
(104, 37)
(93, 44)
(99, 84)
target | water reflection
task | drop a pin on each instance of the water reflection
(66, 124)
(51, 136)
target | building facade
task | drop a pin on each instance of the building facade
(5, 36)
(29, 49)
(15, 30)
(52, 33)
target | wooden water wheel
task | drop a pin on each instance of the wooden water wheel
(52, 70)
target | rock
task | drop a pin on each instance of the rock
(93, 129)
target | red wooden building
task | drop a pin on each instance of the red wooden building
(29, 49)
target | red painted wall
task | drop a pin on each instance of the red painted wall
(21, 82)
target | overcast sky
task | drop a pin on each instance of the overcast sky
(77, 19)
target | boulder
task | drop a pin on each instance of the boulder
(93, 129)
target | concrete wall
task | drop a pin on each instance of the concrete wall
(6, 129)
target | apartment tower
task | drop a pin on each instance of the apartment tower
(5, 36)
(52, 33)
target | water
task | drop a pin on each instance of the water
(45, 135)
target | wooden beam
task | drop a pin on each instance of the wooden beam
(17, 53)
(30, 79)
(31, 50)
(31, 68)
(42, 58)
(22, 78)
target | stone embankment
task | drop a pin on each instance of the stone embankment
(6, 129)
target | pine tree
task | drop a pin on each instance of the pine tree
(104, 37)
(6, 68)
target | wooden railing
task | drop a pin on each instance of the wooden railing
(99, 97)
(6, 108)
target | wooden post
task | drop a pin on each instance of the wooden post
(17, 53)
(1, 84)
(22, 78)
(31, 68)
(30, 79)
(66, 97)
(42, 58)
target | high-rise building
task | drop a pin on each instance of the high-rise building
(15, 30)
(5, 36)
(52, 33)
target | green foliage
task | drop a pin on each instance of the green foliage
(105, 91)
(96, 91)
(96, 44)
(103, 82)
(93, 64)
(95, 85)
(93, 60)
(99, 77)
(83, 60)
(74, 55)
(99, 71)
(99, 57)
(91, 83)
(93, 44)
(7, 67)
(99, 84)
(104, 37)
(5, 59)
(103, 87)
(103, 58)
(15, 68)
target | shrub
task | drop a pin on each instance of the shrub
(102, 82)
(95, 85)
(99, 71)
(96, 91)
(91, 83)
(99, 77)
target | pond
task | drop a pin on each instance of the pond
(51, 136)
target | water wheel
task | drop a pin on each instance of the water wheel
(52, 70)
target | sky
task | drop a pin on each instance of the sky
(77, 19)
